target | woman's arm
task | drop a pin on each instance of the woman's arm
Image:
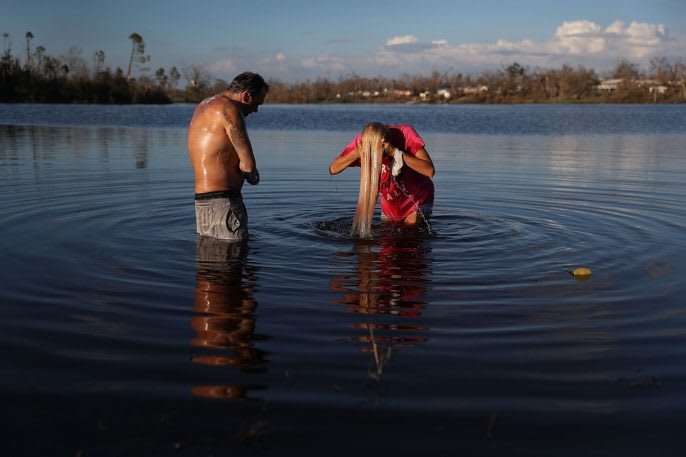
(420, 162)
(340, 163)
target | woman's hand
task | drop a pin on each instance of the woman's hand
(388, 148)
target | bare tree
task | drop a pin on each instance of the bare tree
(662, 70)
(174, 77)
(680, 76)
(99, 58)
(515, 75)
(50, 67)
(162, 78)
(626, 70)
(75, 63)
(7, 44)
(196, 76)
(39, 53)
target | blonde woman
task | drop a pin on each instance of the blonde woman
(394, 163)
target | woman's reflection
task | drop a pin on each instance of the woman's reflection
(224, 319)
(387, 287)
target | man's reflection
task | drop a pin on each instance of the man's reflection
(389, 282)
(224, 321)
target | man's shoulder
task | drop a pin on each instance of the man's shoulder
(218, 104)
(218, 101)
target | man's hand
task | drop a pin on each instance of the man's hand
(253, 177)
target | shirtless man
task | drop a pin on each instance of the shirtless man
(222, 157)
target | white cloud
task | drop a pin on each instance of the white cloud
(637, 39)
(578, 37)
(581, 42)
(644, 38)
(616, 28)
(326, 63)
(401, 40)
(574, 42)
(409, 44)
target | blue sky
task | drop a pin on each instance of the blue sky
(300, 40)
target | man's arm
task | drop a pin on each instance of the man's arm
(238, 135)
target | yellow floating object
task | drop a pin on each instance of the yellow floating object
(581, 272)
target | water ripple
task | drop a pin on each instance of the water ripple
(106, 289)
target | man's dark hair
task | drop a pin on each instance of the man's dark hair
(252, 82)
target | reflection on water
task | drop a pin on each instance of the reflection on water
(388, 288)
(224, 320)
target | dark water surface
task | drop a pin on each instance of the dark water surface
(122, 335)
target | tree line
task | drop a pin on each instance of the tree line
(664, 83)
(34, 76)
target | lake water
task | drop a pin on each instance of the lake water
(122, 335)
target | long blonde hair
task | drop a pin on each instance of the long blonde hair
(371, 154)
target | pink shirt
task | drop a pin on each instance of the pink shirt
(402, 195)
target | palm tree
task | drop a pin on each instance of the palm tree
(29, 37)
(137, 47)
